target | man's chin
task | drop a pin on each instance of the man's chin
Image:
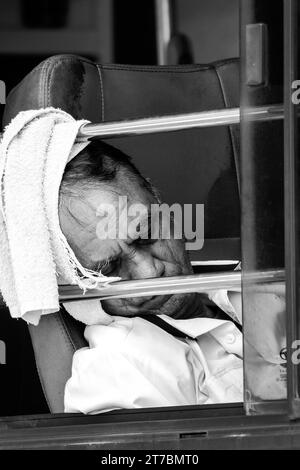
(179, 306)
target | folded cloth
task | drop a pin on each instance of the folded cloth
(34, 253)
(90, 312)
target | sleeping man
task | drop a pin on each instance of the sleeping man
(181, 349)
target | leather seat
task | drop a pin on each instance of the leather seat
(192, 166)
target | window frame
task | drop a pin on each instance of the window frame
(202, 425)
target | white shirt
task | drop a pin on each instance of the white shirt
(132, 363)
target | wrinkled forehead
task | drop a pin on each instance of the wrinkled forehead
(81, 212)
(85, 202)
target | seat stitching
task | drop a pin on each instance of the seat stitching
(116, 67)
(230, 130)
(41, 84)
(102, 91)
(167, 71)
(15, 88)
(50, 80)
(59, 319)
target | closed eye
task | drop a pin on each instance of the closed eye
(146, 239)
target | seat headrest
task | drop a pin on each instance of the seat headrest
(115, 92)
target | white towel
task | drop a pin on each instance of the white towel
(34, 253)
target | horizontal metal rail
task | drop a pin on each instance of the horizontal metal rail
(179, 122)
(171, 285)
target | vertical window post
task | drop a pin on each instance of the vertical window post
(291, 194)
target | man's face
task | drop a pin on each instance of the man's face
(129, 256)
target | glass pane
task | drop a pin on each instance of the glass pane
(292, 75)
(262, 162)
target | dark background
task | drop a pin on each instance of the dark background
(124, 32)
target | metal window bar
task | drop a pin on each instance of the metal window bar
(183, 284)
(171, 285)
(179, 122)
(199, 283)
(174, 285)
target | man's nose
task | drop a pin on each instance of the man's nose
(144, 266)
